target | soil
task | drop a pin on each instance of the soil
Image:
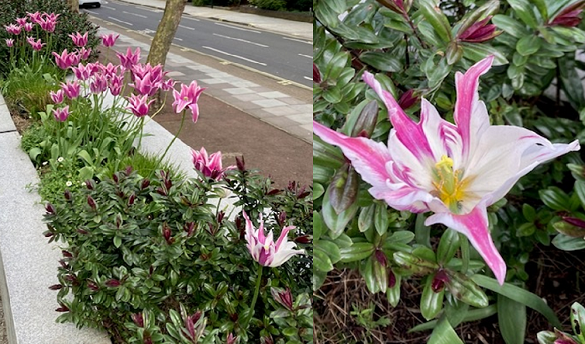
(554, 275)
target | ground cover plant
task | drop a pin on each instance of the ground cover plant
(459, 242)
(149, 255)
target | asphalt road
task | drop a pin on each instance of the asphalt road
(286, 57)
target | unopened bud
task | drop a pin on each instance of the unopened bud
(189, 228)
(407, 99)
(316, 74)
(92, 285)
(166, 232)
(89, 184)
(56, 287)
(391, 279)
(63, 308)
(240, 163)
(283, 297)
(138, 319)
(231, 339)
(439, 281)
(303, 239)
(112, 283)
(381, 257)
(50, 208)
(68, 196)
(145, 183)
(91, 203)
(131, 199)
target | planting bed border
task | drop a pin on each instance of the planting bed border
(28, 265)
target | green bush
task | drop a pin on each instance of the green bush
(273, 5)
(143, 257)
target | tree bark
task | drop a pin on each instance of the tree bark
(74, 5)
(165, 33)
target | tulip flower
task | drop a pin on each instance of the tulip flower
(9, 42)
(188, 97)
(36, 45)
(129, 59)
(65, 60)
(109, 40)
(144, 85)
(57, 97)
(13, 29)
(98, 83)
(79, 39)
(34, 17)
(263, 248)
(139, 105)
(82, 72)
(21, 21)
(83, 53)
(28, 27)
(71, 89)
(48, 23)
(116, 83)
(210, 165)
(454, 170)
(61, 114)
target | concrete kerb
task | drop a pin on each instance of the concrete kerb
(28, 265)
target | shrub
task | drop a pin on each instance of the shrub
(144, 257)
(273, 5)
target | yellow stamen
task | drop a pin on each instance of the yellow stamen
(450, 187)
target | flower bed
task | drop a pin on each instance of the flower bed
(148, 254)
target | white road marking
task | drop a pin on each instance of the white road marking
(178, 39)
(241, 40)
(236, 56)
(306, 77)
(110, 8)
(237, 28)
(307, 56)
(135, 14)
(186, 27)
(92, 12)
(120, 21)
(192, 18)
(298, 40)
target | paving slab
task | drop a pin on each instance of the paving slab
(6, 123)
(29, 264)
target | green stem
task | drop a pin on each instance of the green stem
(173, 140)
(255, 298)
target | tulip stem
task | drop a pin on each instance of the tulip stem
(256, 292)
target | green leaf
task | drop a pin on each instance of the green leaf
(520, 295)
(367, 272)
(578, 319)
(511, 320)
(366, 218)
(382, 61)
(568, 243)
(318, 191)
(117, 241)
(381, 218)
(447, 246)
(444, 333)
(34, 152)
(335, 66)
(357, 251)
(343, 189)
(510, 25)
(336, 222)
(529, 212)
(437, 19)
(555, 198)
(523, 9)
(466, 290)
(431, 303)
(321, 261)
(393, 294)
(471, 315)
(332, 95)
(330, 248)
(528, 45)
(476, 52)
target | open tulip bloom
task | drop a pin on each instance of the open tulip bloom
(454, 170)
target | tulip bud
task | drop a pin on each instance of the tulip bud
(303, 239)
(166, 231)
(56, 287)
(92, 285)
(112, 283)
(266, 340)
(282, 218)
(89, 184)
(145, 183)
(138, 319)
(115, 178)
(161, 191)
(82, 231)
(220, 215)
(128, 170)
(231, 339)
(189, 228)
(570, 16)
(63, 308)
(240, 163)
(283, 297)
(574, 221)
(381, 257)
(66, 254)
(479, 32)
(316, 74)
(273, 192)
(391, 279)
(366, 121)
(71, 278)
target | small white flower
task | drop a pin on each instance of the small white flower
(45, 163)
(68, 184)
(60, 159)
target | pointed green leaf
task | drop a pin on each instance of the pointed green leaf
(511, 320)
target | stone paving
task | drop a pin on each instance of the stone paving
(275, 108)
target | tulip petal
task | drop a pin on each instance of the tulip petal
(368, 157)
(474, 226)
(409, 133)
(471, 120)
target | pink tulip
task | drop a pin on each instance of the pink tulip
(65, 60)
(79, 39)
(98, 83)
(82, 72)
(188, 97)
(210, 166)
(129, 59)
(168, 85)
(109, 70)
(109, 40)
(139, 105)
(61, 114)
(34, 17)
(144, 85)
(36, 45)
(9, 42)
(116, 83)
(84, 53)
(57, 97)
(28, 27)
(47, 24)
(21, 21)
(454, 170)
(13, 29)
(71, 89)
(263, 248)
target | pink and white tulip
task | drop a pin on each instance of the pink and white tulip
(71, 89)
(65, 60)
(36, 45)
(188, 97)
(13, 29)
(209, 165)
(129, 59)
(109, 40)
(79, 39)
(139, 105)
(57, 97)
(263, 248)
(453, 170)
(61, 114)
(9, 42)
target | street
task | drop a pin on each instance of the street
(288, 58)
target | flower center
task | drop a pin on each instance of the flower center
(450, 187)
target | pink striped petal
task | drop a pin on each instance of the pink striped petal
(368, 157)
(471, 120)
(474, 226)
(409, 133)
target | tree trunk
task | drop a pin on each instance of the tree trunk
(165, 33)
(74, 5)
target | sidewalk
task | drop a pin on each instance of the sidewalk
(288, 27)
